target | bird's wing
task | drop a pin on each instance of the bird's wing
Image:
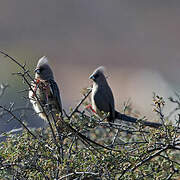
(103, 100)
(110, 97)
(56, 94)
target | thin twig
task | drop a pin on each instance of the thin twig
(79, 104)
(19, 64)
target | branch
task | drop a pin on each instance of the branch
(20, 65)
(79, 104)
(149, 158)
(154, 155)
(84, 138)
(3, 113)
(11, 131)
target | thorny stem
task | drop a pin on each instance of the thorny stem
(79, 104)
(19, 64)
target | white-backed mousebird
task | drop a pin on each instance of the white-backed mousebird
(46, 90)
(102, 100)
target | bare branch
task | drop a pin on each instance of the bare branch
(79, 104)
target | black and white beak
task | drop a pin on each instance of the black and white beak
(92, 77)
(37, 71)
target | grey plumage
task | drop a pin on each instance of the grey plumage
(102, 96)
(103, 100)
(46, 90)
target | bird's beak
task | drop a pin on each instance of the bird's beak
(37, 71)
(92, 77)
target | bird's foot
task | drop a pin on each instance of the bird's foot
(36, 86)
(90, 107)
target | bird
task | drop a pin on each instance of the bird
(44, 92)
(102, 98)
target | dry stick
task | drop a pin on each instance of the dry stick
(70, 148)
(2, 134)
(139, 164)
(130, 166)
(175, 134)
(16, 109)
(60, 148)
(20, 65)
(118, 130)
(170, 176)
(172, 161)
(149, 158)
(115, 137)
(83, 138)
(79, 104)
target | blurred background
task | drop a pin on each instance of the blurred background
(137, 41)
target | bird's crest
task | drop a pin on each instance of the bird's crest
(100, 69)
(42, 60)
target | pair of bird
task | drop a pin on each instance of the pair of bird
(45, 92)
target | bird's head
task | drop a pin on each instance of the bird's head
(43, 70)
(98, 75)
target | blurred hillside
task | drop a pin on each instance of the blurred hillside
(137, 41)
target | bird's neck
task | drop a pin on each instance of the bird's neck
(100, 85)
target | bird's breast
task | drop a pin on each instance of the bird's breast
(94, 90)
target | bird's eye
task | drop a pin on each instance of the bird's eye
(96, 76)
(38, 71)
